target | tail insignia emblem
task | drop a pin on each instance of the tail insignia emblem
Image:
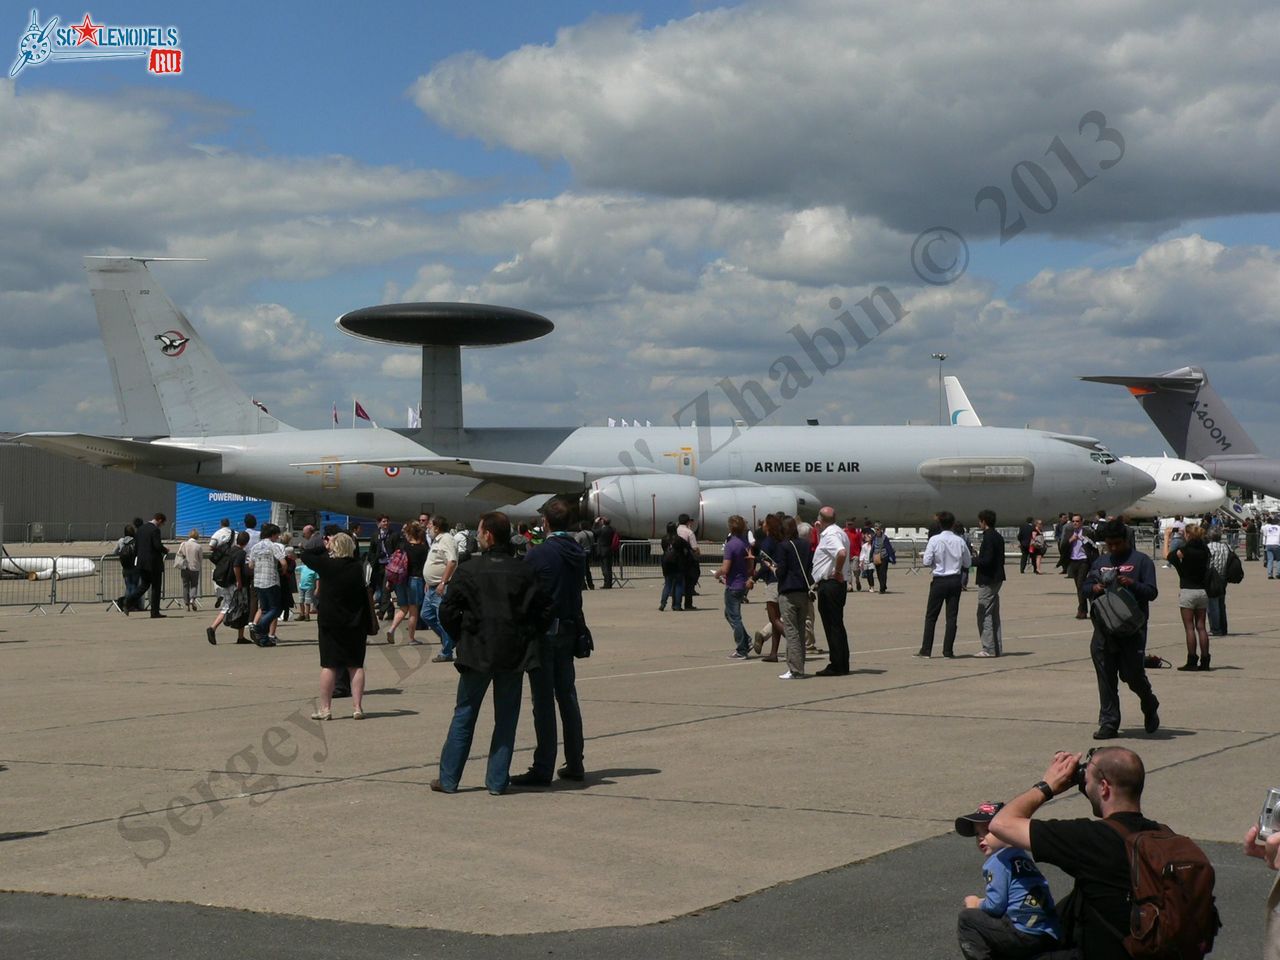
(172, 343)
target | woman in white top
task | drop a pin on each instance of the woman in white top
(190, 555)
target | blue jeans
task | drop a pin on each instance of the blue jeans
(1218, 614)
(550, 685)
(673, 590)
(133, 589)
(431, 617)
(268, 606)
(1273, 561)
(472, 685)
(733, 613)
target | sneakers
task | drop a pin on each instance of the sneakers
(441, 658)
(921, 656)
(983, 653)
(322, 715)
(391, 636)
(758, 643)
(211, 636)
(1106, 733)
(790, 676)
(738, 656)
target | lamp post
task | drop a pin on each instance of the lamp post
(940, 357)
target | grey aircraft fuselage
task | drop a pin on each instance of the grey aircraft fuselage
(901, 475)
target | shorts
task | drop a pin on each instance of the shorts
(306, 595)
(1193, 600)
(411, 593)
(770, 592)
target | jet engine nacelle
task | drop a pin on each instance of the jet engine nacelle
(639, 505)
(751, 503)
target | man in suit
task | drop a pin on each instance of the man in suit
(990, 564)
(151, 554)
(1024, 543)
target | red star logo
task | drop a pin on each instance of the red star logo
(88, 31)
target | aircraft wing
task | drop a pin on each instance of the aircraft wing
(528, 478)
(116, 451)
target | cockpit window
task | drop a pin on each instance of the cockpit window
(1199, 476)
(1102, 456)
(1179, 476)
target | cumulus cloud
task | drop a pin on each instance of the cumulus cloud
(900, 113)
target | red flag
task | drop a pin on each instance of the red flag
(360, 412)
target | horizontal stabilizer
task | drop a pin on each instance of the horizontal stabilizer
(116, 451)
(1188, 412)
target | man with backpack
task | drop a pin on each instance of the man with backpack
(1121, 578)
(1141, 890)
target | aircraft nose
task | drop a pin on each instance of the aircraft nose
(1138, 482)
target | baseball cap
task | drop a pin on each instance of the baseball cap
(967, 825)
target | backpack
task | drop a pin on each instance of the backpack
(1215, 585)
(1173, 916)
(1234, 569)
(397, 568)
(616, 545)
(128, 553)
(1117, 614)
(224, 570)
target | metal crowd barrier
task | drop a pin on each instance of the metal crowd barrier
(104, 585)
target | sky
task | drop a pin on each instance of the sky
(684, 189)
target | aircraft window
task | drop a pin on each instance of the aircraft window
(1199, 476)
(1102, 457)
(1179, 476)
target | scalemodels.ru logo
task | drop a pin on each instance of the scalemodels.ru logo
(97, 41)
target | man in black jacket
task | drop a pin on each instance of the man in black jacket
(1122, 658)
(496, 610)
(151, 554)
(604, 550)
(990, 565)
(559, 562)
(1024, 543)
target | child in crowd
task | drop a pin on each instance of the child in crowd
(306, 590)
(1016, 918)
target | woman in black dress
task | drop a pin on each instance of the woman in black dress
(344, 618)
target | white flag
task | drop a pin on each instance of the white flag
(611, 422)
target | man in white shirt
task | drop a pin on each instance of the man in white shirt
(223, 538)
(693, 559)
(266, 560)
(830, 568)
(946, 553)
(1271, 546)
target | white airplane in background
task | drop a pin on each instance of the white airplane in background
(41, 568)
(1182, 488)
(186, 419)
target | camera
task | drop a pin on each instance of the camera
(1269, 818)
(1078, 777)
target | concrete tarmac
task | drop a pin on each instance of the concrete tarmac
(141, 764)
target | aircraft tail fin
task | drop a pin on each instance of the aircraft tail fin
(167, 381)
(958, 405)
(1188, 412)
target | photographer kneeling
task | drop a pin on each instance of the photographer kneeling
(1090, 851)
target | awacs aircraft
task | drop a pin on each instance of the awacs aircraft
(1181, 488)
(1198, 425)
(186, 419)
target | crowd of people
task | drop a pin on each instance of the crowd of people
(507, 602)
